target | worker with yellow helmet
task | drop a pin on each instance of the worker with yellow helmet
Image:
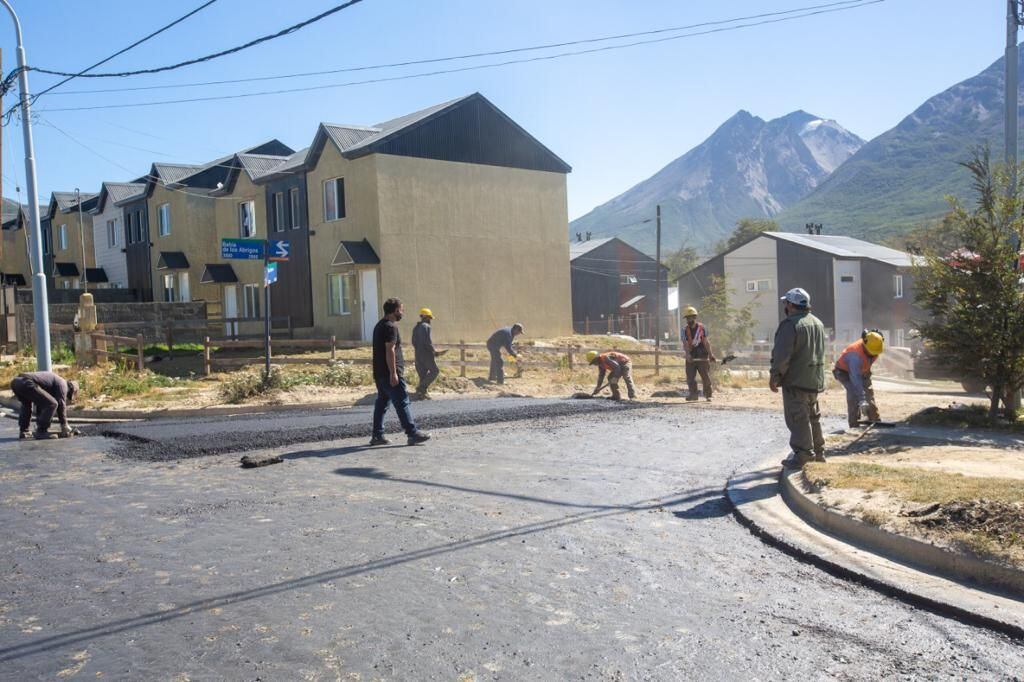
(853, 371)
(426, 354)
(617, 366)
(699, 354)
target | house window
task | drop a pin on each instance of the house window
(138, 227)
(755, 285)
(163, 214)
(62, 237)
(334, 199)
(846, 278)
(627, 279)
(251, 300)
(111, 233)
(247, 219)
(184, 294)
(279, 223)
(900, 337)
(129, 237)
(294, 208)
(66, 284)
(169, 296)
(339, 291)
(897, 286)
(47, 247)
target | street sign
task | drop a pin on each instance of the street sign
(270, 275)
(241, 249)
(279, 249)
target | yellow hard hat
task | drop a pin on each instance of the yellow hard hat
(591, 355)
(425, 312)
(874, 343)
(689, 311)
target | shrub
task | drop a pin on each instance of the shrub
(242, 386)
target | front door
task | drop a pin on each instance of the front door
(848, 301)
(230, 310)
(370, 308)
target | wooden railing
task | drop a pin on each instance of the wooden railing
(211, 346)
(100, 341)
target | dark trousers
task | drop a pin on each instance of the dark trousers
(852, 399)
(426, 367)
(698, 366)
(803, 418)
(30, 394)
(497, 366)
(397, 396)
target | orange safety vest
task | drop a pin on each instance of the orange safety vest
(858, 348)
(603, 358)
(699, 333)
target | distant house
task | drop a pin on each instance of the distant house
(853, 284)
(108, 230)
(614, 287)
(70, 241)
(15, 268)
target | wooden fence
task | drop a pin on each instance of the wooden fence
(100, 341)
(211, 346)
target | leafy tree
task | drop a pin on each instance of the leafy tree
(681, 261)
(745, 230)
(728, 327)
(974, 293)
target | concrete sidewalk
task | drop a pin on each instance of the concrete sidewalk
(759, 503)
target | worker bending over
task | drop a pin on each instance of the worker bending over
(617, 366)
(699, 355)
(503, 338)
(50, 393)
(853, 371)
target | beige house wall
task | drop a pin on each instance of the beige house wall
(193, 232)
(73, 252)
(228, 226)
(482, 246)
(361, 221)
(15, 255)
(757, 260)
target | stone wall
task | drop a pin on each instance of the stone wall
(72, 295)
(122, 319)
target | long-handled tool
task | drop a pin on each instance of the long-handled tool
(724, 361)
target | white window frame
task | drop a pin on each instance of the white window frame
(163, 217)
(897, 283)
(184, 290)
(62, 237)
(628, 279)
(112, 233)
(242, 231)
(280, 215)
(339, 289)
(331, 190)
(294, 209)
(170, 288)
(251, 300)
(67, 283)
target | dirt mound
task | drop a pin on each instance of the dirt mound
(1001, 521)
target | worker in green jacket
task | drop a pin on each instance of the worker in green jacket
(798, 368)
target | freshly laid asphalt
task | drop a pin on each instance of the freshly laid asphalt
(560, 543)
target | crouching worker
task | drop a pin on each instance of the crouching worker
(853, 371)
(617, 366)
(50, 394)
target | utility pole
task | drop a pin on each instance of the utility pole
(266, 306)
(81, 232)
(1013, 23)
(39, 298)
(657, 279)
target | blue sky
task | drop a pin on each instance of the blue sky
(617, 117)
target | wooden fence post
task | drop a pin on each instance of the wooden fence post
(586, 325)
(206, 355)
(291, 329)
(170, 340)
(462, 358)
(140, 341)
(657, 360)
(334, 348)
(610, 323)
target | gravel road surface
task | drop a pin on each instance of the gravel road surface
(594, 545)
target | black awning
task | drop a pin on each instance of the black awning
(14, 279)
(65, 270)
(172, 260)
(96, 276)
(218, 273)
(356, 253)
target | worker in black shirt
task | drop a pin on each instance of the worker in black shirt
(388, 367)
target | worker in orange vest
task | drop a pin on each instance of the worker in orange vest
(617, 366)
(853, 371)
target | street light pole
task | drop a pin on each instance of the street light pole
(81, 232)
(39, 297)
(657, 280)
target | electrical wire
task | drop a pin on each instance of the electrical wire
(475, 55)
(329, 86)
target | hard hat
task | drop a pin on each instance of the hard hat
(798, 297)
(690, 311)
(425, 312)
(874, 343)
(591, 356)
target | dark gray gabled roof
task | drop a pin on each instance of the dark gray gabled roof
(66, 202)
(122, 191)
(846, 247)
(96, 276)
(172, 260)
(173, 173)
(65, 270)
(14, 279)
(218, 273)
(355, 253)
(347, 136)
(296, 163)
(577, 249)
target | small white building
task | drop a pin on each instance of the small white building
(108, 230)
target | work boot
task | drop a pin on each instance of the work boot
(23, 435)
(44, 435)
(818, 457)
(692, 398)
(418, 437)
(632, 395)
(796, 461)
(379, 440)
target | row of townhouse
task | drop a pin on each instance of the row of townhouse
(454, 207)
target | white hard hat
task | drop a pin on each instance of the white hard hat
(798, 297)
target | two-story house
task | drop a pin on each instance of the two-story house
(70, 239)
(108, 230)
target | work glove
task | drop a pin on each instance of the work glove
(68, 432)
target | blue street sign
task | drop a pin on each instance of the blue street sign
(279, 249)
(270, 276)
(241, 249)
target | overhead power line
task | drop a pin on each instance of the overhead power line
(473, 55)
(560, 55)
(216, 55)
